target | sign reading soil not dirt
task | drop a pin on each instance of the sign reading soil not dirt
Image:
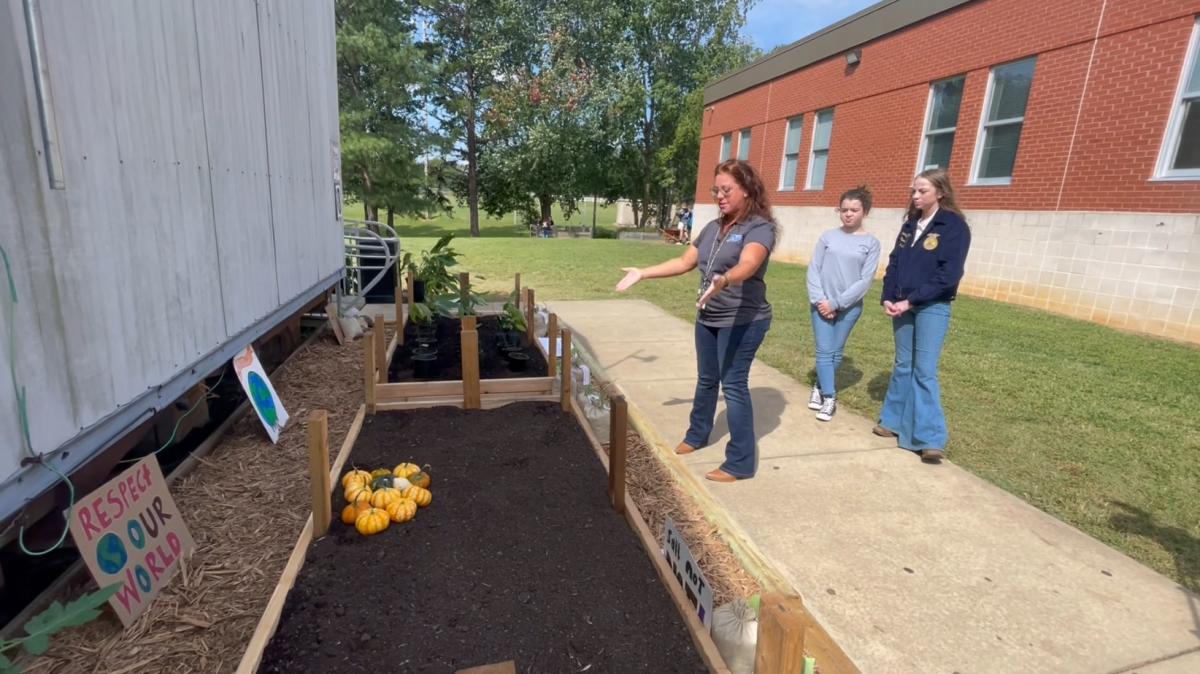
(130, 532)
(688, 573)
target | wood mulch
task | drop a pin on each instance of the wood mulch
(245, 505)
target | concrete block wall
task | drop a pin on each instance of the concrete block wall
(1132, 271)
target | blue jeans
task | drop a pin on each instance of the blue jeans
(830, 337)
(723, 358)
(912, 408)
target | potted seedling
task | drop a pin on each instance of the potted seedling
(431, 274)
(512, 324)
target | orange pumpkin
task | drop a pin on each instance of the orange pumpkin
(402, 510)
(421, 495)
(356, 492)
(351, 512)
(406, 469)
(382, 497)
(361, 476)
(420, 479)
(372, 521)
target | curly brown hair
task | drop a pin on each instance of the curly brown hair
(747, 178)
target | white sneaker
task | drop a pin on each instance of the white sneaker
(814, 398)
(828, 409)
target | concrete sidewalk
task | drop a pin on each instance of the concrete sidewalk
(909, 567)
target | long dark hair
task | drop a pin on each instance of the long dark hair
(747, 178)
(941, 182)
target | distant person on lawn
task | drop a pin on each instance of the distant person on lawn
(839, 276)
(921, 281)
(733, 317)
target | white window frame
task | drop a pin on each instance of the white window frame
(723, 152)
(984, 124)
(926, 131)
(745, 140)
(813, 150)
(783, 161)
(1171, 136)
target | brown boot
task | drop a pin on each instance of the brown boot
(882, 432)
(684, 448)
(932, 455)
(719, 475)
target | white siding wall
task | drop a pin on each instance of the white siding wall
(197, 143)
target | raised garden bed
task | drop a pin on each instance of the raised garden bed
(520, 557)
(448, 364)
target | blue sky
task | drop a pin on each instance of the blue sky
(771, 23)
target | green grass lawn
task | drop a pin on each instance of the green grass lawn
(458, 222)
(1097, 427)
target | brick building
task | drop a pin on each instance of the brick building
(1070, 128)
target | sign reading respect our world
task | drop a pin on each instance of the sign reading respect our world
(130, 532)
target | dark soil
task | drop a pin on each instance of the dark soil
(448, 366)
(519, 557)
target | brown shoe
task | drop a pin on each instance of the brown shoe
(719, 475)
(684, 448)
(882, 432)
(932, 455)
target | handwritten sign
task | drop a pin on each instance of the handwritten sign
(687, 573)
(130, 532)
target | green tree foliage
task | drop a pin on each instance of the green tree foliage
(382, 76)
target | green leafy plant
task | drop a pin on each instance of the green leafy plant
(55, 619)
(511, 319)
(433, 269)
(451, 303)
(422, 314)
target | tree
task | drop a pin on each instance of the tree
(381, 74)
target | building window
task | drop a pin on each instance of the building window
(1180, 155)
(819, 158)
(726, 146)
(941, 120)
(744, 145)
(791, 153)
(1003, 117)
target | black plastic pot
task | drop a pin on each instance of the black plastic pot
(507, 341)
(518, 361)
(424, 360)
(418, 290)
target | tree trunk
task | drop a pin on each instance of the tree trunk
(391, 218)
(637, 220)
(472, 156)
(593, 216)
(544, 204)
(371, 213)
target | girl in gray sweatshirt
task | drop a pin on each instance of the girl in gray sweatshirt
(842, 269)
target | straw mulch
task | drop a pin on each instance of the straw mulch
(245, 506)
(658, 496)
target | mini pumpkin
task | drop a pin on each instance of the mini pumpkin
(355, 475)
(402, 510)
(355, 491)
(420, 479)
(351, 512)
(383, 497)
(406, 469)
(372, 521)
(381, 482)
(380, 472)
(421, 495)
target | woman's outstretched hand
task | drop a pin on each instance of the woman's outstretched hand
(632, 276)
(715, 286)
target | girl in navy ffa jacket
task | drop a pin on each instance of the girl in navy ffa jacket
(921, 280)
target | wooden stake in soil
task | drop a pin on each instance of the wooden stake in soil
(517, 289)
(470, 364)
(530, 309)
(464, 292)
(369, 370)
(399, 314)
(781, 625)
(566, 370)
(509, 667)
(551, 345)
(618, 425)
(318, 470)
(380, 348)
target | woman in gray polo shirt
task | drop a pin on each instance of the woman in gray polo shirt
(731, 253)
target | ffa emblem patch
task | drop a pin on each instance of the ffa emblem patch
(931, 242)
